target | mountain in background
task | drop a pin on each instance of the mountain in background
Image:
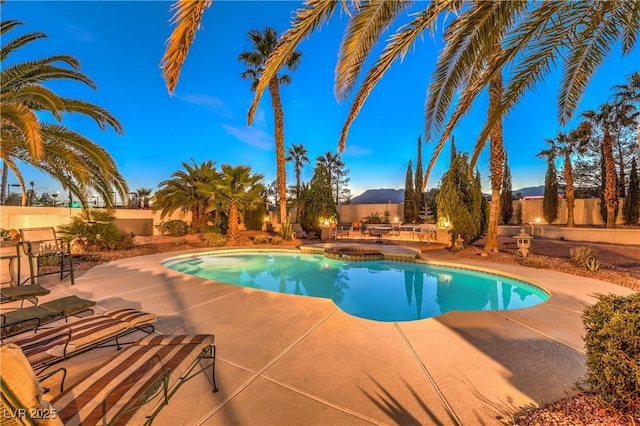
(530, 191)
(379, 196)
(382, 196)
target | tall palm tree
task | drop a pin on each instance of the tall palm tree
(567, 145)
(75, 161)
(238, 189)
(263, 45)
(187, 190)
(605, 119)
(297, 154)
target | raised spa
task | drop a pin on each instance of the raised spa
(382, 290)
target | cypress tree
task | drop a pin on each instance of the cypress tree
(506, 196)
(409, 196)
(632, 202)
(318, 201)
(459, 200)
(419, 178)
(550, 201)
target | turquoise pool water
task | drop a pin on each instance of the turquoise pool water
(382, 290)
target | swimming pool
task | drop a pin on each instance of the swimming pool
(382, 290)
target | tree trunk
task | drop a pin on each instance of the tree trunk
(610, 193)
(198, 219)
(569, 192)
(3, 188)
(233, 222)
(496, 160)
(281, 173)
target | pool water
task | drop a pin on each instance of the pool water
(382, 290)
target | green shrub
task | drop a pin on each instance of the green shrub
(173, 228)
(94, 229)
(210, 229)
(612, 342)
(215, 239)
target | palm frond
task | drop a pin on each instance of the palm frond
(362, 33)
(101, 116)
(18, 42)
(593, 40)
(398, 46)
(8, 25)
(36, 97)
(188, 19)
(307, 19)
(22, 118)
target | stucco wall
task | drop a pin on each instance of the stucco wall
(585, 212)
(357, 212)
(140, 222)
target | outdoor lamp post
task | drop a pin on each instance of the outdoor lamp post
(523, 242)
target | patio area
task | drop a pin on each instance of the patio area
(284, 359)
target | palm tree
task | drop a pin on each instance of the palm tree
(605, 119)
(629, 94)
(297, 154)
(187, 190)
(238, 190)
(566, 145)
(263, 44)
(143, 197)
(534, 36)
(72, 159)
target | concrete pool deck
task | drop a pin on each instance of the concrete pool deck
(285, 359)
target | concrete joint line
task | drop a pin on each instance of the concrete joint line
(263, 369)
(582, 351)
(446, 404)
(325, 402)
(207, 302)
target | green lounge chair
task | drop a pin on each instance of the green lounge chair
(43, 242)
(130, 388)
(22, 293)
(34, 316)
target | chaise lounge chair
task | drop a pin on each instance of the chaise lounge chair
(22, 293)
(130, 388)
(56, 344)
(32, 317)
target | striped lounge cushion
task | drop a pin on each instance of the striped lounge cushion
(132, 316)
(206, 339)
(103, 396)
(48, 344)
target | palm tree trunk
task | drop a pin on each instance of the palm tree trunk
(3, 189)
(610, 193)
(281, 173)
(297, 183)
(233, 221)
(569, 192)
(198, 218)
(496, 160)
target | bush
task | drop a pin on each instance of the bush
(94, 230)
(173, 228)
(210, 229)
(612, 342)
(215, 239)
(582, 255)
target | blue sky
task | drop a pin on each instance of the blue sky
(120, 44)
